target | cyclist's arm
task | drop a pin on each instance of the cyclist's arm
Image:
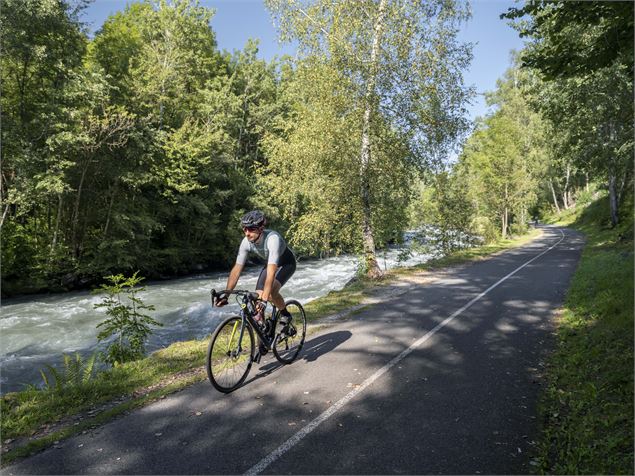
(234, 274)
(271, 277)
(241, 259)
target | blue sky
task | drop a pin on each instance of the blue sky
(237, 20)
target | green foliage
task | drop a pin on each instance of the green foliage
(74, 373)
(587, 408)
(125, 322)
(576, 36)
(504, 159)
(130, 151)
(583, 52)
(450, 212)
(483, 227)
(377, 95)
(311, 180)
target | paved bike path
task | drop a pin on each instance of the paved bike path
(362, 399)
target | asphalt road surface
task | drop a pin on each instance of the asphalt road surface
(442, 378)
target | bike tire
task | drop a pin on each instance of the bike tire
(287, 345)
(227, 366)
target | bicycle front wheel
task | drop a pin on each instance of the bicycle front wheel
(289, 339)
(229, 356)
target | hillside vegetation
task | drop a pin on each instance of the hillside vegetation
(587, 408)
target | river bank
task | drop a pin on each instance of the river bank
(34, 419)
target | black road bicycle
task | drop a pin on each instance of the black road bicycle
(233, 349)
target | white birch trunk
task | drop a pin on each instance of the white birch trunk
(555, 198)
(372, 267)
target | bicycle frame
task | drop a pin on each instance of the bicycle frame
(247, 311)
(267, 339)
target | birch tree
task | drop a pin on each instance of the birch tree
(403, 63)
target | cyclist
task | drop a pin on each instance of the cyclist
(279, 266)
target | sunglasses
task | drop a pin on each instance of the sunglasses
(250, 228)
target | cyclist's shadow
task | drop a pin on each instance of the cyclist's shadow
(323, 344)
(311, 351)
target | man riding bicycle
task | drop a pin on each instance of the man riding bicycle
(279, 260)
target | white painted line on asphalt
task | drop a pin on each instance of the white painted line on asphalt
(291, 442)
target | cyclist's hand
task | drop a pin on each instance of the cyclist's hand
(261, 305)
(221, 300)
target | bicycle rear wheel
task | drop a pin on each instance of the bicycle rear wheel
(228, 356)
(289, 339)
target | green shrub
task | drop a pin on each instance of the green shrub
(125, 321)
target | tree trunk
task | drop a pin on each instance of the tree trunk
(555, 198)
(75, 224)
(505, 218)
(504, 224)
(613, 197)
(523, 216)
(565, 192)
(372, 267)
(58, 219)
(4, 214)
(112, 201)
(620, 190)
(4, 191)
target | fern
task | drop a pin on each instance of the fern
(75, 372)
(45, 380)
(58, 379)
(89, 366)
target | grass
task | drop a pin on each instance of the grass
(34, 419)
(40, 417)
(587, 408)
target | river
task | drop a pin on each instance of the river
(38, 330)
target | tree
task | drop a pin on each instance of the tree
(575, 38)
(584, 51)
(131, 151)
(42, 48)
(452, 212)
(402, 66)
(506, 157)
(307, 183)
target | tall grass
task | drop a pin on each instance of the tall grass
(587, 408)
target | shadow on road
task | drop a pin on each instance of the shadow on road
(312, 350)
(323, 344)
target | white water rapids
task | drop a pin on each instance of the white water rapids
(38, 330)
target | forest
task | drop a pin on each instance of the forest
(137, 149)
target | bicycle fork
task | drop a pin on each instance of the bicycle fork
(238, 350)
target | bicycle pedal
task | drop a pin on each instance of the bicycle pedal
(256, 358)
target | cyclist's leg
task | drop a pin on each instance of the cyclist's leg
(282, 276)
(260, 286)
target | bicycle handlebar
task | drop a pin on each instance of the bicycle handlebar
(240, 292)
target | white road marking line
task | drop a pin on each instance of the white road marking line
(291, 442)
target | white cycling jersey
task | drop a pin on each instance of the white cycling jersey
(269, 247)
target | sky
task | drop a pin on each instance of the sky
(236, 21)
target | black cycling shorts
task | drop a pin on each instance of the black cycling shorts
(286, 268)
